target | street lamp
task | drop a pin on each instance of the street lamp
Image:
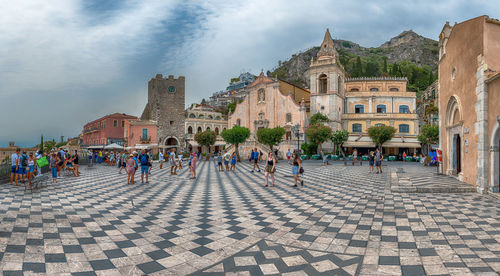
(296, 131)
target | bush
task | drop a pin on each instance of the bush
(309, 148)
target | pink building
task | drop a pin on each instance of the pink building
(140, 132)
(105, 130)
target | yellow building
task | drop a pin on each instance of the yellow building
(374, 101)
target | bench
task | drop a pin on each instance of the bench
(353, 162)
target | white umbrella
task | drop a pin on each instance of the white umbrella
(113, 146)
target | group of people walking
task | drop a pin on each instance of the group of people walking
(143, 160)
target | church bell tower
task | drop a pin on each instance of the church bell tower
(327, 83)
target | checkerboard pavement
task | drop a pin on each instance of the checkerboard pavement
(343, 221)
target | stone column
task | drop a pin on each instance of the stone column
(481, 127)
(370, 103)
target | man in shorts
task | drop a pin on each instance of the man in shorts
(144, 160)
(15, 163)
(160, 158)
(288, 155)
(173, 162)
(227, 157)
(219, 162)
(378, 160)
(22, 165)
(256, 160)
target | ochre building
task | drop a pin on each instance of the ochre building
(380, 101)
(469, 101)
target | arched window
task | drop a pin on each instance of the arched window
(192, 115)
(216, 131)
(379, 124)
(323, 84)
(381, 108)
(201, 116)
(210, 117)
(223, 129)
(404, 109)
(199, 130)
(238, 122)
(208, 128)
(374, 89)
(404, 128)
(190, 130)
(357, 128)
(217, 118)
(289, 117)
(359, 108)
(393, 89)
(354, 90)
(261, 95)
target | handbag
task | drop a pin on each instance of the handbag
(301, 171)
(42, 162)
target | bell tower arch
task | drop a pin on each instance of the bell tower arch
(327, 78)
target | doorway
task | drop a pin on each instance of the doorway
(457, 154)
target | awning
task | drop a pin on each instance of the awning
(168, 146)
(193, 143)
(358, 144)
(401, 145)
(145, 146)
(220, 144)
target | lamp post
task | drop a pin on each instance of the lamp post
(296, 131)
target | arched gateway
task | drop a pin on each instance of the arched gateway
(454, 130)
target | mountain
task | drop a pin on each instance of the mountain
(413, 54)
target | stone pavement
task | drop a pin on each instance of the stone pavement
(343, 221)
(414, 178)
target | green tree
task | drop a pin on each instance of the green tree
(384, 69)
(309, 148)
(206, 138)
(235, 136)
(358, 68)
(381, 134)
(429, 134)
(338, 138)
(270, 136)
(318, 119)
(318, 134)
(49, 145)
(41, 143)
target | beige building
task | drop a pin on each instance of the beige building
(271, 103)
(380, 101)
(6, 152)
(427, 105)
(469, 100)
(202, 117)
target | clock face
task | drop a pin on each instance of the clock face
(171, 89)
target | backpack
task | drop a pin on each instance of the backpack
(144, 160)
(24, 161)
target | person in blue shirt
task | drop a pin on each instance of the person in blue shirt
(219, 162)
(15, 162)
(255, 159)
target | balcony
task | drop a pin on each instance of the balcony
(90, 130)
(366, 116)
(145, 140)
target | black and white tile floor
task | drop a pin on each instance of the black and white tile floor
(344, 221)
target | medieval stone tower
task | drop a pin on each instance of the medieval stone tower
(327, 83)
(166, 100)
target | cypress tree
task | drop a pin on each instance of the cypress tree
(41, 143)
(384, 70)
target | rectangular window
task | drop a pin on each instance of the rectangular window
(356, 128)
(115, 123)
(359, 109)
(288, 117)
(123, 123)
(404, 128)
(380, 108)
(144, 134)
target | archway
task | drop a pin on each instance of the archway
(170, 142)
(495, 158)
(454, 134)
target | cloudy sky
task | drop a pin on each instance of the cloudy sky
(66, 62)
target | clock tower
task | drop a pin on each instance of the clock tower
(166, 102)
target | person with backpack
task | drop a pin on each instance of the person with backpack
(144, 160)
(23, 165)
(297, 169)
(256, 157)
